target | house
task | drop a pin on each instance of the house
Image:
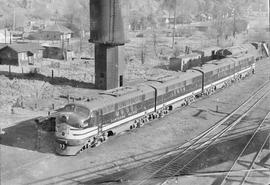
(20, 54)
(5, 36)
(53, 32)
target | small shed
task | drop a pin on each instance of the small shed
(57, 52)
(21, 54)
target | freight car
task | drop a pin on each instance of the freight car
(259, 50)
(80, 126)
(186, 62)
(196, 58)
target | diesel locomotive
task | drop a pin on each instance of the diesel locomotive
(88, 124)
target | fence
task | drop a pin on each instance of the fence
(16, 69)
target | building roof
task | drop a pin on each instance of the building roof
(24, 47)
(58, 28)
(2, 46)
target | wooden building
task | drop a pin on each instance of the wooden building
(5, 36)
(58, 52)
(21, 54)
(54, 32)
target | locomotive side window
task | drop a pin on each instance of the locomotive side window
(122, 113)
(108, 109)
(215, 72)
(188, 82)
(149, 95)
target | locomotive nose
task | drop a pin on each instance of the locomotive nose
(71, 119)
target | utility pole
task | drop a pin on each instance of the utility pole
(269, 15)
(10, 38)
(81, 37)
(14, 20)
(174, 25)
(234, 25)
(5, 35)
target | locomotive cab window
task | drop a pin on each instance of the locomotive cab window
(83, 111)
(69, 108)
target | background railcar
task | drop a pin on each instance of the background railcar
(185, 62)
(232, 51)
(207, 54)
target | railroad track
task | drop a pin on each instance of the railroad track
(174, 162)
(245, 170)
(148, 171)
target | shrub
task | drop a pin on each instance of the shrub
(34, 71)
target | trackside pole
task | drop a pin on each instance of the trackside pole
(217, 105)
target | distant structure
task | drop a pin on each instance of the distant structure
(107, 32)
(5, 36)
(57, 41)
(20, 54)
(55, 51)
(53, 32)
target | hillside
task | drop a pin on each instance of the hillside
(76, 12)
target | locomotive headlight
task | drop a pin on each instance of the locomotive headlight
(64, 118)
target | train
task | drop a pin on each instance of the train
(79, 126)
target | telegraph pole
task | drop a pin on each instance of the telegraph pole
(14, 19)
(269, 15)
(174, 25)
(5, 35)
(234, 26)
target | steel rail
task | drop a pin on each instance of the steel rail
(202, 135)
(253, 162)
(209, 145)
(213, 138)
(244, 149)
